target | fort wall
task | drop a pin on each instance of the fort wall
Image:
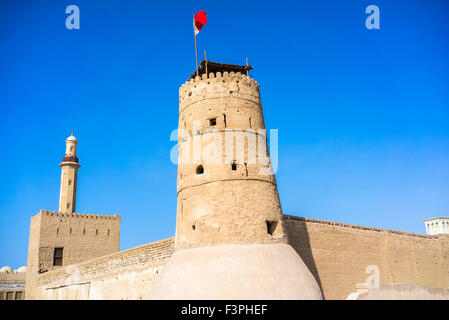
(83, 237)
(337, 254)
(78, 237)
(124, 275)
(12, 284)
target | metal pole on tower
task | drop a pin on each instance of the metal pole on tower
(196, 50)
(205, 60)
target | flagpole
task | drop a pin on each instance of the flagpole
(196, 51)
(205, 60)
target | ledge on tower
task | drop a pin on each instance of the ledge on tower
(67, 158)
(214, 67)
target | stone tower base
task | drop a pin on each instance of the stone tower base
(241, 272)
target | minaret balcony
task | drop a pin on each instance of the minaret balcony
(67, 158)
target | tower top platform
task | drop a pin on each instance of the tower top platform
(214, 67)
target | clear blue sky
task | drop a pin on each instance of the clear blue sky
(362, 114)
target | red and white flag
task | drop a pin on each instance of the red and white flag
(199, 20)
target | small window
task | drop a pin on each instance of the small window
(70, 230)
(213, 121)
(68, 205)
(108, 232)
(96, 232)
(271, 226)
(234, 166)
(199, 169)
(70, 182)
(10, 295)
(84, 232)
(57, 231)
(193, 227)
(57, 258)
(19, 295)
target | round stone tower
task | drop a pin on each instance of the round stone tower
(226, 192)
(230, 242)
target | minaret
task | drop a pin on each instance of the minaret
(230, 241)
(69, 173)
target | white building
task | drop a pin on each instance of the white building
(437, 225)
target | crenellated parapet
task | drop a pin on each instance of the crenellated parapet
(79, 229)
(218, 85)
(78, 216)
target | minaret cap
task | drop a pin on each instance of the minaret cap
(71, 138)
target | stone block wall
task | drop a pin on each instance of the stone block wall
(80, 236)
(124, 275)
(338, 255)
(12, 284)
(83, 236)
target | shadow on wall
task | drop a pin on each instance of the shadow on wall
(298, 238)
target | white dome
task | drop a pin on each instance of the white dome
(6, 269)
(22, 269)
(71, 138)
